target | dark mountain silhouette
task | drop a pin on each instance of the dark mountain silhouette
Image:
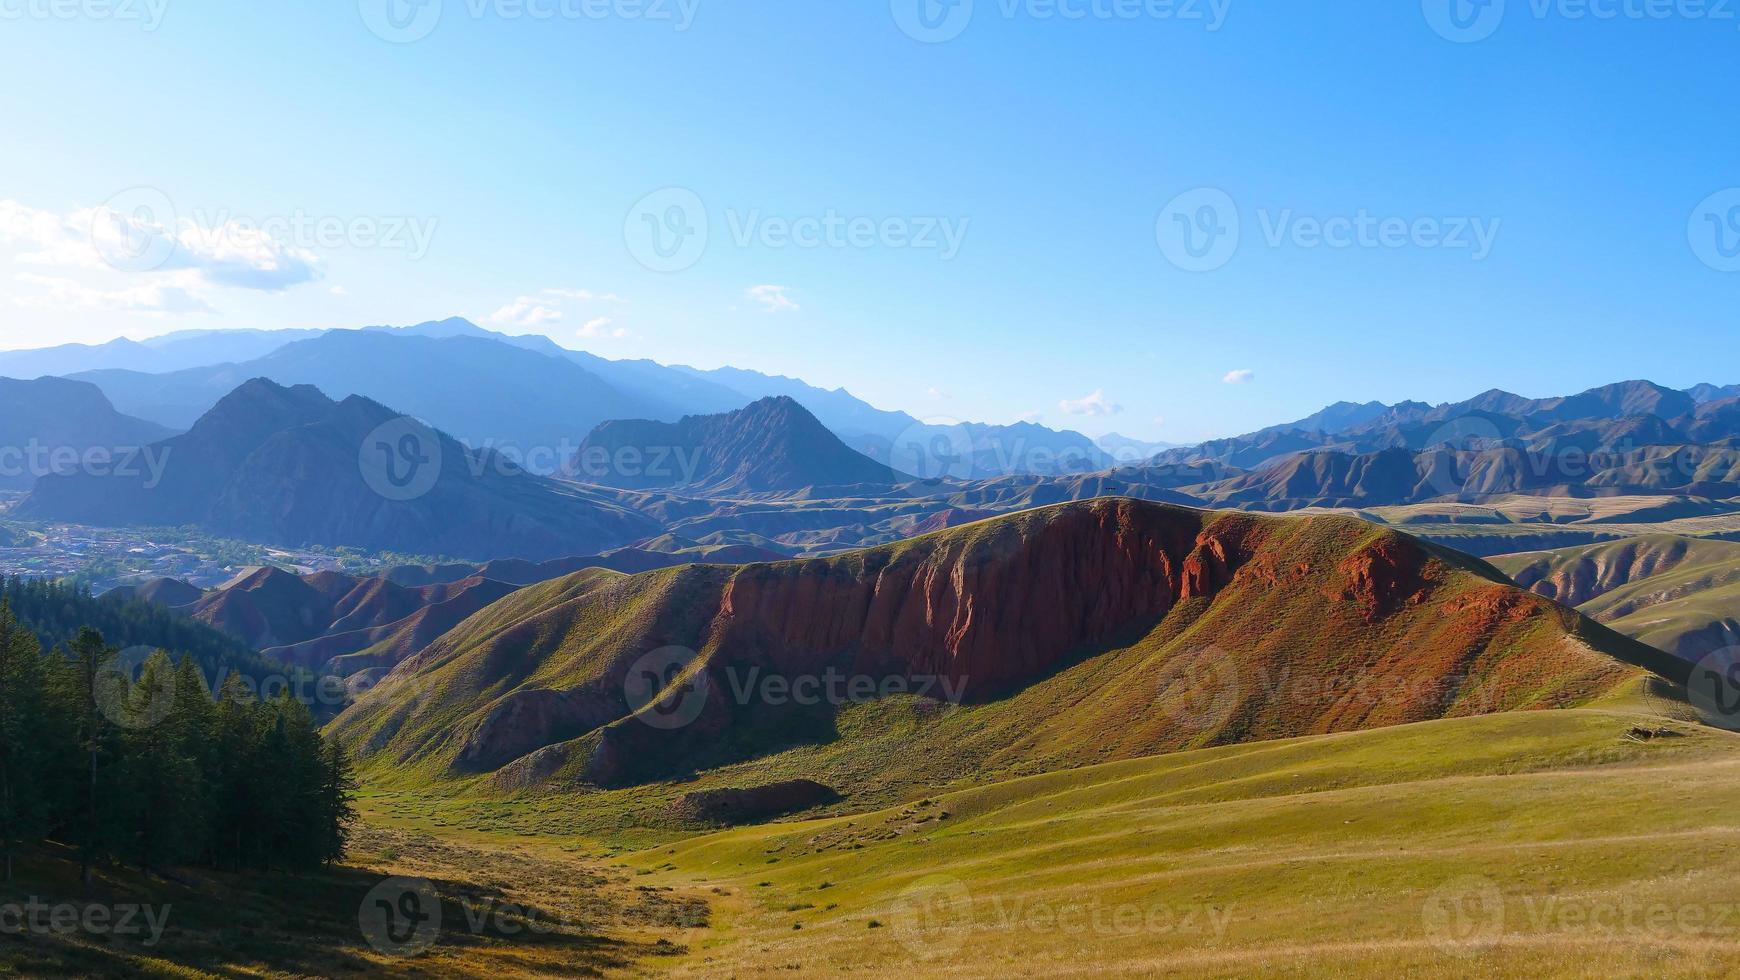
(291, 466)
(773, 445)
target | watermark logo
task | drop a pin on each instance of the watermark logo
(1714, 230)
(1464, 21)
(128, 703)
(1464, 914)
(670, 229)
(1198, 691)
(932, 21)
(400, 21)
(135, 230)
(666, 231)
(1198, 231)
(401, 916)
(662, 691)
(932, 915)
(401, 459)
(1714, 688)
(1445, 473)
(936, 21)
(936, 450)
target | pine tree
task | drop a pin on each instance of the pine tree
(25, 792)
(337, 793)
(158, 785)
(87, 686)
(233, 772)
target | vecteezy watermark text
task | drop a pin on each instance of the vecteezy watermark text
(407, 21)
(1469, 21)
(669, 230)
(148, 14)
(34, 917)
(1201, 230)
(936, 21)
(144, 463)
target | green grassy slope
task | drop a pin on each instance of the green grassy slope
(1538, 844)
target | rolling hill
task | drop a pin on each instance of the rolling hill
(1675, 593)
(1099, 630)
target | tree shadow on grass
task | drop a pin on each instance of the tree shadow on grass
(230, 925)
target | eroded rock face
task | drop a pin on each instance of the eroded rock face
(990, 610)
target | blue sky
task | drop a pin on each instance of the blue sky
(1528, 197)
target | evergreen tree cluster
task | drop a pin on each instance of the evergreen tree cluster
(154, 771)
(56, 610)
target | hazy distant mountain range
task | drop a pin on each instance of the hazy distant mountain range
(290, 465)
(52, 424)
(526, 394)
(544, 453)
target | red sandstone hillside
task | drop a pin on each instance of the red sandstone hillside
(1110, 627)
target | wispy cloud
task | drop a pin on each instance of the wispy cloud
(1094, 404)
(774, 298)
(228, 254)
(600, 328)
(1239, 377)
(584, 295)
(61, 295)
(526, 311)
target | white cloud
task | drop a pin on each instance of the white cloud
(61, 295)
(1094, 404)
(1159, 420)
(526, 311)
(774, 298)
(339, 291)
(1033, 417)
(936, 392)
(584, 295)
(147, 244)
(599, 328)
(1239, 377)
